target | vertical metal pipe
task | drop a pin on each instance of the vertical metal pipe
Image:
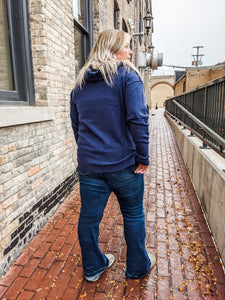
(204, 114)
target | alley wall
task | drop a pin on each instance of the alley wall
(38, 157)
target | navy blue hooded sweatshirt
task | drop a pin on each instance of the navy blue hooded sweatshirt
(110, 124)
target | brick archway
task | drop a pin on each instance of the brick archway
(162, 82)
(161, 90)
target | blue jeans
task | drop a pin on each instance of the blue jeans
(95, 189)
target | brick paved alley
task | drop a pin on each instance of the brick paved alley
(188, 265)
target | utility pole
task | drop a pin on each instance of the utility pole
(197, 57)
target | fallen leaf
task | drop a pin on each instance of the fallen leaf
(84, 295)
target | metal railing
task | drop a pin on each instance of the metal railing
(202, 111)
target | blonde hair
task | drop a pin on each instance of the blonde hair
(103, 56)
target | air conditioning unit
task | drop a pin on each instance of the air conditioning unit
(152, 60)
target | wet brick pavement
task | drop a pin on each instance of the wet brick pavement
(188, 265)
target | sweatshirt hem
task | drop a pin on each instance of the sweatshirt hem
(106, 169)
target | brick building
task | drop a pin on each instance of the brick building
(195, 77)
(47, 44)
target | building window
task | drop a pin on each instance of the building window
(124, 26)
(82, 13)
(140, 22)
(6, 82)
(116, 15)
(16, 72)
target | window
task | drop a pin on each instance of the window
(82, 13)
(16, 76)
(6, 82)
(140, 22)
(116, 15)
(124, 26)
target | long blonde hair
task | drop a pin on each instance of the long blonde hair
(103, 56)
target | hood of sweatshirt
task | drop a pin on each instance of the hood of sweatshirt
(93, 75)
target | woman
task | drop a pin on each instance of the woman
(110, 122)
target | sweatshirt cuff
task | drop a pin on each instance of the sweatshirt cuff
(143, 161)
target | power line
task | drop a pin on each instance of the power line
(194, 68)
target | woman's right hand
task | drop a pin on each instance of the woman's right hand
(141, 169)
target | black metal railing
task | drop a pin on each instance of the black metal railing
(202, 111)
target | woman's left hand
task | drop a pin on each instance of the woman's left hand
(141, 169)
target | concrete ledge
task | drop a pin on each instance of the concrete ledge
(12, 116)
(206, 171)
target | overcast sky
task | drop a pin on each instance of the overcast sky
(181, 24)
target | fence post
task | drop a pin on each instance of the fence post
(204, 146)
(191, 111)
(184, 114)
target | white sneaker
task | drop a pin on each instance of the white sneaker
(152, 259)
(96, 277)
(110, 258)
